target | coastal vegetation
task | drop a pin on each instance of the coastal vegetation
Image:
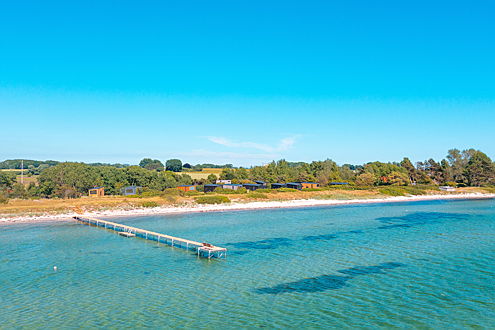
(46, 181)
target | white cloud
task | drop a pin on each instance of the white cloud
(283, 145)
(227, 155)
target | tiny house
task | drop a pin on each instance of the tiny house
(211, 187)
(294, 185)
(187, 188)
(131, 190)
(96, 192)
(224, 182)
(232, 186)
(262, 183)
(252, 186)
(278, 185)
(309, 185)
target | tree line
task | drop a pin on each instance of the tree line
(68, 180)
(459, 168)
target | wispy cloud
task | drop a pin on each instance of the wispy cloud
(283, 145)
(207, 154)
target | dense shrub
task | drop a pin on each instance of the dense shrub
(287, 190)
(3, 199)
(402, 191)
(266, 190)
(257, 195)
(173, 192)
(212, 199)
(392, 191)
(230, 191)
(193, 193)
(149, 204)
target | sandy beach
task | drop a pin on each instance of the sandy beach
(195, 208)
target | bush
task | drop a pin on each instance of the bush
(147, 193)
(402, 191)
(149, 204)
(212, 199)
(173, 192)
(230, 191)
(287, 190)
(257, 195)
(392, 191)
(313, 189)
(3, 199)
(266, 190)
(193, 193)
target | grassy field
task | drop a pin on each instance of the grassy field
(19, 207)
(204, 173)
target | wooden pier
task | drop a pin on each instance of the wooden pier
(202, 249)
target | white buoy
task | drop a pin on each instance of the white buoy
(55, 268)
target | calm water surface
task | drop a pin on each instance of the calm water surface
(421, 264)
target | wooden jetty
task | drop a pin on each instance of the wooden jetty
(202, 249)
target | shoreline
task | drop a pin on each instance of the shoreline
(298, 203)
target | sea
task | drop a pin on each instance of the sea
(427, 264)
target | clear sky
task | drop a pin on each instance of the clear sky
(245, 82)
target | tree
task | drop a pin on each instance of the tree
(151, 164)
(365, 179)
(397, 178)
(7, 180)
(458, 161)
(411, 170)
(174, 165)
(187, 165)
(212, 178)
(480, 170)
(68, 180)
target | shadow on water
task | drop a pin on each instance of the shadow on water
(266, 244)
(323, 237)
(274, 243)
(419, 218)
(328, 282)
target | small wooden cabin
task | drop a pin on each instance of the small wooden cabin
(131, 190)
(187, 188)
(211, 187)
(278, 185)
(262, 183)
(252, 186)
(232, 186)
(96, 192)
(294, 185)
(309, 185)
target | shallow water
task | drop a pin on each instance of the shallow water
(416, 264)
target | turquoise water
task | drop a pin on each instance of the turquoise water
(421, 264)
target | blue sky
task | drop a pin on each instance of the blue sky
(245, 82)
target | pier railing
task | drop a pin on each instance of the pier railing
(202, 249)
